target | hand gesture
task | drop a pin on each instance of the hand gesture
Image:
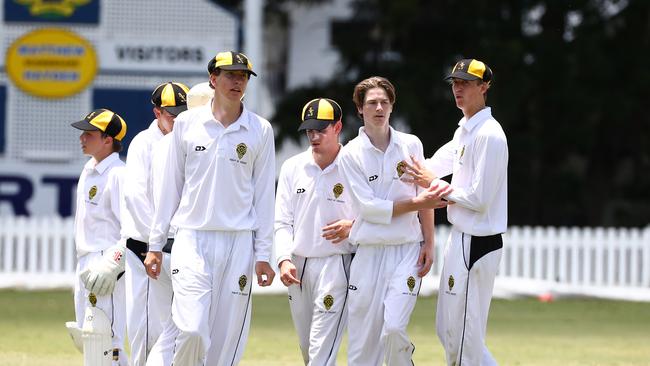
(337, 231)
(288, 273)
(417, 173)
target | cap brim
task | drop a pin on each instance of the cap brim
(84, 125)
(462, 75)
(314, 124)
(238, 67)
(176, 110)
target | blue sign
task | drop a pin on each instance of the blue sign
(52, 11)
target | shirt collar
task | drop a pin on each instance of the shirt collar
(309, 161)
(476, 119)
(365, 140)
(102, 165)
(155, 129)
(242, 121)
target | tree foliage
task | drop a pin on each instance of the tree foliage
(570, 88)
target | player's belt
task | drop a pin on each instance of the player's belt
(482, 245)
(168, 246)
(139, 248)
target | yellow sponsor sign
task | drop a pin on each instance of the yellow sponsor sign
(51, 63)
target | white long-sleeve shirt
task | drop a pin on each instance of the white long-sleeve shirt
(309, 198)
(374, 178)
(218, 178)
(477, 156)
(158, 159)
(138, 195)
(99, 205)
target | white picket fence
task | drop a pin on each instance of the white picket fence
(614, 263)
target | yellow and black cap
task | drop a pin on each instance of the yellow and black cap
(318, 113)
(231, 60)
(105, 121)
(171, 96)
(471, 69)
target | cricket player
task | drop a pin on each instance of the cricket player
(393, 231)
(162, 352)
(313, 217)
(219, 189)
(477, 156)
(100, 255)
(148, 301)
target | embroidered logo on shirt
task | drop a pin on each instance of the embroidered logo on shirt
(372, 177)
(300, 190)
(199, 148)
(328, 301)
(92, 192)
(462, 152)
(175, 271)
(450, 282)
(242, 282)
(401, 168)
(410, 282)
(352, 287)
(241, 150)
(338, 190)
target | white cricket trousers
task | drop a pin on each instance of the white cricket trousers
(148, 303)
(162, 352)
(466, 283)
(113, 305)
(211, 277)
(383, 289)
(319, 306)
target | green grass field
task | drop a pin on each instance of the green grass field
(520, 332)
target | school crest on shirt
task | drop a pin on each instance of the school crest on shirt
(241, 150)
(328, 301)
(92, 193)
(450, 285)
(338, 190)
(401, 168)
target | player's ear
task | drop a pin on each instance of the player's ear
(156, 112)
(338, 126)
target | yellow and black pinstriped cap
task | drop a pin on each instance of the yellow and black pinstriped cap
(170, 96)
(318, 113)
(231, 60)
(471, 69)
(105, 121)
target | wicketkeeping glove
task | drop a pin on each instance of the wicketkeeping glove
(101, 277)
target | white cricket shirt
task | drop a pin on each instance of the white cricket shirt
(218, 178)
(97, 216)
(158, 158)
(374, 178)
(136, 222)
(308, 199)
(477, 157)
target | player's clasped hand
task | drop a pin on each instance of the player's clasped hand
(288, 273)
(153, 264)
(265, 273)
(337, 231)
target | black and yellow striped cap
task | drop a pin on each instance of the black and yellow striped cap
(230, 60)
(170, 96)
(105, 121)
(471, 69)
(318, 113)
